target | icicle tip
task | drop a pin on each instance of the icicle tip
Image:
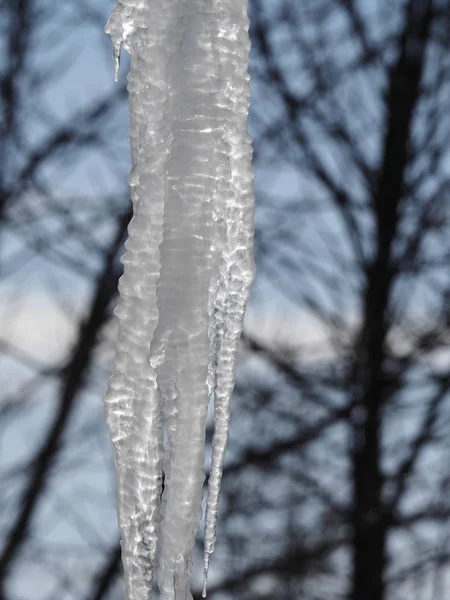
(116, 59)
(115, 29)
(205, 582)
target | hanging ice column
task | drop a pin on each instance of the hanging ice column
(188, 268)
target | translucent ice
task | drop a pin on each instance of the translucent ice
(188, 268)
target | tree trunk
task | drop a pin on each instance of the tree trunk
(370, 517)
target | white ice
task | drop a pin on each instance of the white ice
(188, 269)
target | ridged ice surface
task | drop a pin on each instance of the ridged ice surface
(188, 268)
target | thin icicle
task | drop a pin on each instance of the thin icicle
(187, 274)
(236, 270)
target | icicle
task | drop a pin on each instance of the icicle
(133, 402)
(121, 25)
(187, 274)
(236, 270)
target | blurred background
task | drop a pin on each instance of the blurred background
(337, 479)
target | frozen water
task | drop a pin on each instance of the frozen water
(188, 268)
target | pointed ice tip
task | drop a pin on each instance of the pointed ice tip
(116, 67)
(116, 59)
(205, 579)
(205, 572)
(114, 28)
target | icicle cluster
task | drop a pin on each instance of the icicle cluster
(188, 268)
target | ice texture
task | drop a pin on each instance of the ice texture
(188, 269)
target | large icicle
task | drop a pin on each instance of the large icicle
(132, 404)
(187, 273)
